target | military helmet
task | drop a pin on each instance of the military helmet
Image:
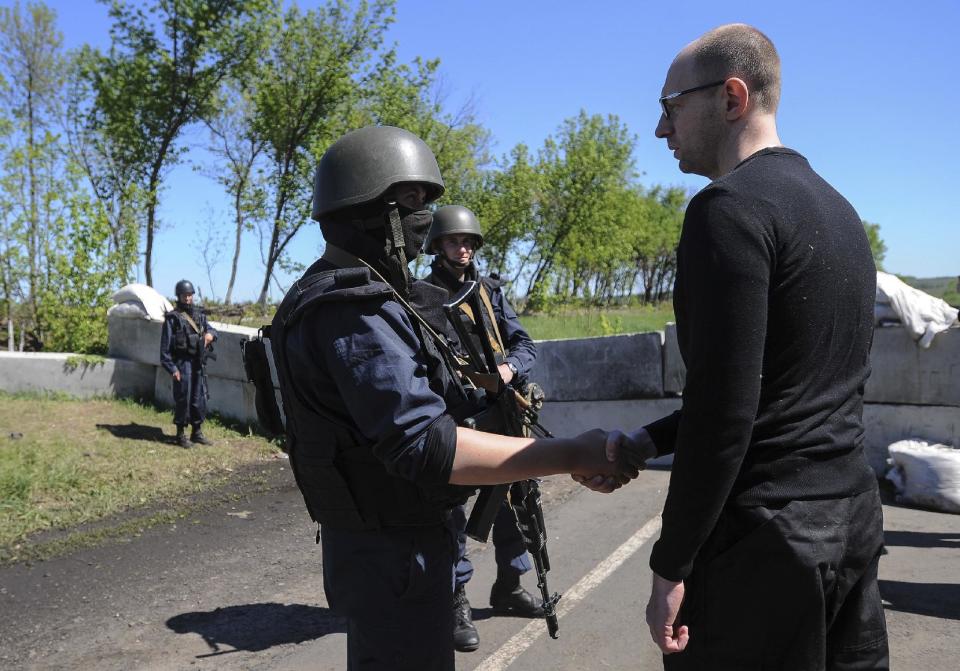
(453, 220)
(184, 287)
(364, 163)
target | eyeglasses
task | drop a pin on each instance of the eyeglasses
(674, 96)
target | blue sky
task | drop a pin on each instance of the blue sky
(870, 95)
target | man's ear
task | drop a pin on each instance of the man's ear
(737, 98)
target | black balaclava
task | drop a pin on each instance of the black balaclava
(369, 232)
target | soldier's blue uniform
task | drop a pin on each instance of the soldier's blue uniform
(181, 348)
(372, 451)
(509, 549)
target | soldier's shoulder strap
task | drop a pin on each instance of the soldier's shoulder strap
(493, 326)
(190, 321)
(338, 285)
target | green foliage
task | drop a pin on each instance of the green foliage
(165, 67)
(304, 90)
(68, 467)
(586, 323)
(82, 276)
(877, 246)
(572, 222)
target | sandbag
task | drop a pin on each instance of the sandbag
(154, 304)
(923, 315)
(925, 474)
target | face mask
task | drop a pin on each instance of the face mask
(415, 225)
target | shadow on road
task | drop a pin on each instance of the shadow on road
(258, 626)
(922, 539)
(934, 599)
(134, 431)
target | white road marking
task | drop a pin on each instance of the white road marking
(509, 651)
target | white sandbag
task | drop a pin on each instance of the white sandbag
(922, 314)
(154, 304)
(925, 474)
(128, 310)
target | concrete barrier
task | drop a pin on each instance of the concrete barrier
(134, 339)
(600, 369)
(67, 374)
(610, 382)
(904, 373)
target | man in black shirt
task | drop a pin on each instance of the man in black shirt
(772, 526)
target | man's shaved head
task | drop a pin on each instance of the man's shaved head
(739, 50)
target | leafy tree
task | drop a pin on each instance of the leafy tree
(877, 246)
(33, 70)
(305, 88)
(113, 174)
(239, 147)
(162, 73)
(590, 157)
(82, 274)
(506, 206)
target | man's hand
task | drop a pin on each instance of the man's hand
(207, 339)
(505, 373)
(175, 375)
(662, 610)
(629, 450)
(607, 473)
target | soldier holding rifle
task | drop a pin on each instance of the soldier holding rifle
(375, 408)
(454, 239)
(184, 343)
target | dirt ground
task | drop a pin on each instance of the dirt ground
(237, 586)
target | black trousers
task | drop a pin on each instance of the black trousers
(792, 589)
(189, 394)
(395, 587)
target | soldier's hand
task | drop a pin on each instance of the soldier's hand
(175, 375)
(629, 452)
(505, 373)
(207, 339)
(608, 472)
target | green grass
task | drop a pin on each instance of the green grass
(65, 463)
(584, 323)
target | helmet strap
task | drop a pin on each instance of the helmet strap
(397, 268)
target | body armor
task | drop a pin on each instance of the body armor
(343, 484)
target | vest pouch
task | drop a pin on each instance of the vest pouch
(180, 341)
(325, 491)
(193, 344)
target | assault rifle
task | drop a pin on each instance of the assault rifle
(514, 412)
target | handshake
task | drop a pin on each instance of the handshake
(615, 458)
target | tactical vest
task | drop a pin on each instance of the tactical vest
(343, 484)
(186, 337)
(487, 286)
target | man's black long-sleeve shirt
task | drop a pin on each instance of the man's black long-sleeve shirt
(774, 303)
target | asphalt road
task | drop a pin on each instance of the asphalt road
(239, 587)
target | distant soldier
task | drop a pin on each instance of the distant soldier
(454, 238)
(186, 337)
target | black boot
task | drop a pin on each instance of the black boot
(182, 437)
(196, 436)
(509, 597)
(465, 636)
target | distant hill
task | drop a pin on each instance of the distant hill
(941, 287)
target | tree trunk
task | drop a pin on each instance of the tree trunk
(228, 299)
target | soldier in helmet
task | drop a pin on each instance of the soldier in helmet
(372, 401)
(454, 238)
(185, 338)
